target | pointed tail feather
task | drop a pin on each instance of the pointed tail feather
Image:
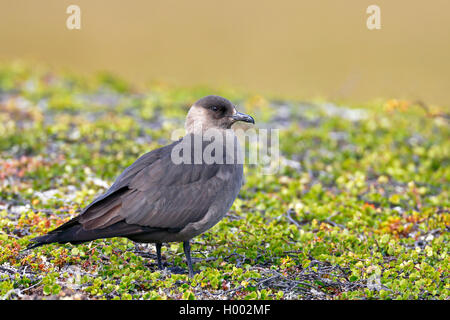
(75, 233)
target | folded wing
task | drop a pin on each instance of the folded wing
(155, 192)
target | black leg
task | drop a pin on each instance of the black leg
(158, 254)
(187, 252)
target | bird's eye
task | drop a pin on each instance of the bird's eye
(214, 108)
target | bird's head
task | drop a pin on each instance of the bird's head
(214, 112)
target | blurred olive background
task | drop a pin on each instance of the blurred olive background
(292, 48)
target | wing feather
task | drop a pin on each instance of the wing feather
(155, 192)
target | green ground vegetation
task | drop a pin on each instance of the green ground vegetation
(359, 208)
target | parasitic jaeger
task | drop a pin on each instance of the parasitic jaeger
(156, 200)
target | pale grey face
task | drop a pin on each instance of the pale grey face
(215, 112)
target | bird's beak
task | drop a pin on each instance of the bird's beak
(238, 116)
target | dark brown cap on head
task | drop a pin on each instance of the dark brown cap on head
(214, 101)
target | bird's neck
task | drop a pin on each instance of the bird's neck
(195, 126)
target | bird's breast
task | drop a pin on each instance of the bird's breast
(219, 207)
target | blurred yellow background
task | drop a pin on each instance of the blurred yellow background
(293, 48)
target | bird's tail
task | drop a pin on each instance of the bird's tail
(32, 246)
(40, 241)
(60, 235)
(74, 233)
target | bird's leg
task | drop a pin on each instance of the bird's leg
(187, 252)
(158, 254)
